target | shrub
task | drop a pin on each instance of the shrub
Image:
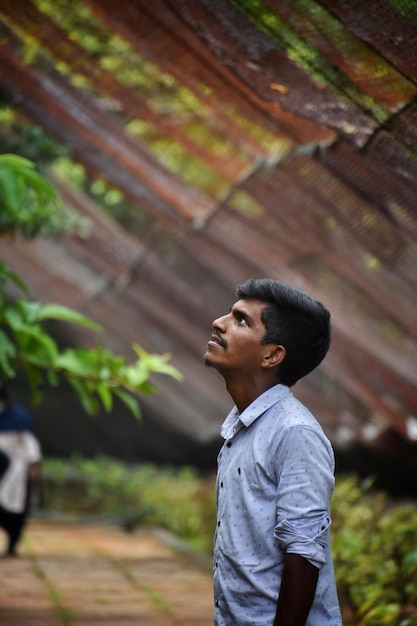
(374, 545)
(374, 539)
(176, 499)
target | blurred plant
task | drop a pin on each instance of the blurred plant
(30, 205)
(374, 539)
(178, 500)
(374, 549)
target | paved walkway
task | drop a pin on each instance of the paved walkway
(95, 575)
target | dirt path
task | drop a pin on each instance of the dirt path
(75, 575)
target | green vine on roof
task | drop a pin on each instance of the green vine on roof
(298, 32)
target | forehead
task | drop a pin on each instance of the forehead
(250, 307)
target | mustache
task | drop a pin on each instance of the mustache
(216, 335)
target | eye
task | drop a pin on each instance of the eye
(241, 319)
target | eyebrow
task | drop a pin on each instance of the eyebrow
(239, 312)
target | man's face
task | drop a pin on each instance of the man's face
(235, 344)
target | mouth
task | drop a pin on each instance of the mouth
(216, 341)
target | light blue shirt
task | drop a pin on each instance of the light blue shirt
(274, 483)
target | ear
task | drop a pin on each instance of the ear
(274, 355)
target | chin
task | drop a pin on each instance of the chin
(208, 360)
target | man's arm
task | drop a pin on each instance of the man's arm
(298, 586)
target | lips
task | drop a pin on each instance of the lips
(215, 339)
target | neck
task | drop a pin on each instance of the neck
(244, 393)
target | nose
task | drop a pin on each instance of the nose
(219, 323)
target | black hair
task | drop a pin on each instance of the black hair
(292, 319)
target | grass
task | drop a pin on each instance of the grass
(61, 611)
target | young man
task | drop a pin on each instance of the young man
(272, 560)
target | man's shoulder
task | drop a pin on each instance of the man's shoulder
(292, 414)
(293, 408)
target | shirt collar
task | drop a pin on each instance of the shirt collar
(235, 420)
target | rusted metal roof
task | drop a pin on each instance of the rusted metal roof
(247, 138)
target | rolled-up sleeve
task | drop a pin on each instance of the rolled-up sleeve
(305, 464)
(312, 548)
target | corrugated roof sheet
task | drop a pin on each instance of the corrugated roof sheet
(246, 138)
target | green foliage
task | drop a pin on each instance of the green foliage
(104, 195)
(374, 549)
(25, 139)
(29, 204)
(309, 16)
(95, 374)
(406, 8)
(175, 499)
(373, 539)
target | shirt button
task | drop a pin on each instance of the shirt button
(221, 484)
(228, 444)
(218, 523)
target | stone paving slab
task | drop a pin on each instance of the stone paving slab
(94, 575)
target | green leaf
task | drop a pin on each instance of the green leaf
(69, 361)
(129, 401)
(28, 310)
(52, 377)
(18, 180)
(7, 351)
(59, 312)
(12, 316)
(105, 396)
(38, 343)
(87, 400)
(11, 190)
(16, 161)
(7, 274)
(147, 388)
(42, 188)
(34, 376)
(136, 374)
(157, 362)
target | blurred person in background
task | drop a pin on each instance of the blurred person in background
(21, 454)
